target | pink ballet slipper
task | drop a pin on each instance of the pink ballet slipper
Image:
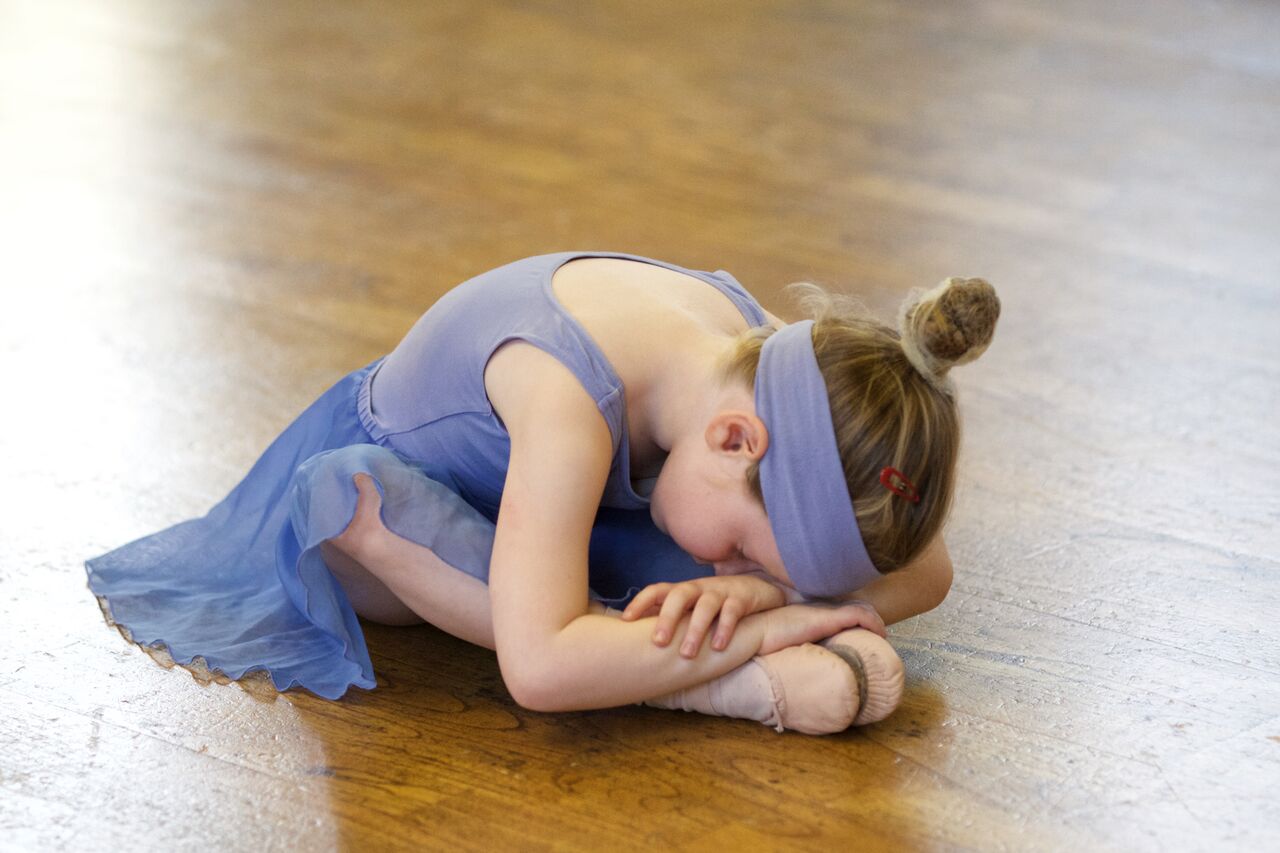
(856, 679)
(878, 668)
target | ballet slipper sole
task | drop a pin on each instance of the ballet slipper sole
(877, 668)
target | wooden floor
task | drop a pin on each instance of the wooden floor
(211, 211)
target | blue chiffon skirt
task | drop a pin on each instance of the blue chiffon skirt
(245, 587)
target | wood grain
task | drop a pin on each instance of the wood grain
(212, 211)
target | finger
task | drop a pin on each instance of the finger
(878, 626)
(673, 608)
(871, 621)
(704, 612)
(645, 599)
(863, 618)
(631, 614)
(730, 613)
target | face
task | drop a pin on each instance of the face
(702, 501)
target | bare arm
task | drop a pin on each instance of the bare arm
(913, 589)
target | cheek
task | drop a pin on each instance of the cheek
(691, 533)
(682, 507)
(669, 500)
(679, 517)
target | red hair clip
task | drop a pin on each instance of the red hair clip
(904, 487)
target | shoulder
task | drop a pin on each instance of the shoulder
(621, 294)
(544, 406)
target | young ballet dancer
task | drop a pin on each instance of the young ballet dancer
(635, 487)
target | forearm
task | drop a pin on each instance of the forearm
(914, 589)
(898, 596)
(599, 661)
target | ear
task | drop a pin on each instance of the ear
(738, 433)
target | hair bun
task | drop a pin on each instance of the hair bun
(949, 325)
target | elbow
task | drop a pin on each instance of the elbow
(532, 686)
(943, 574)
(533, 697)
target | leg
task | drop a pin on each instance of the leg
(852, 678)
(395, 581)
(857, 679)
(368, 595)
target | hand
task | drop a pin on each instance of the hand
(807, 623)
(870, 616)
(729, 597)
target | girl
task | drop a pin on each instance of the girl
(558, 433)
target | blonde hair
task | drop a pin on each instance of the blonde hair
(892, 403)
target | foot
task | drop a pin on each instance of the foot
(856, 679)
(878, 668)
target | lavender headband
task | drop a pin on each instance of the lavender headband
(805, 495)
